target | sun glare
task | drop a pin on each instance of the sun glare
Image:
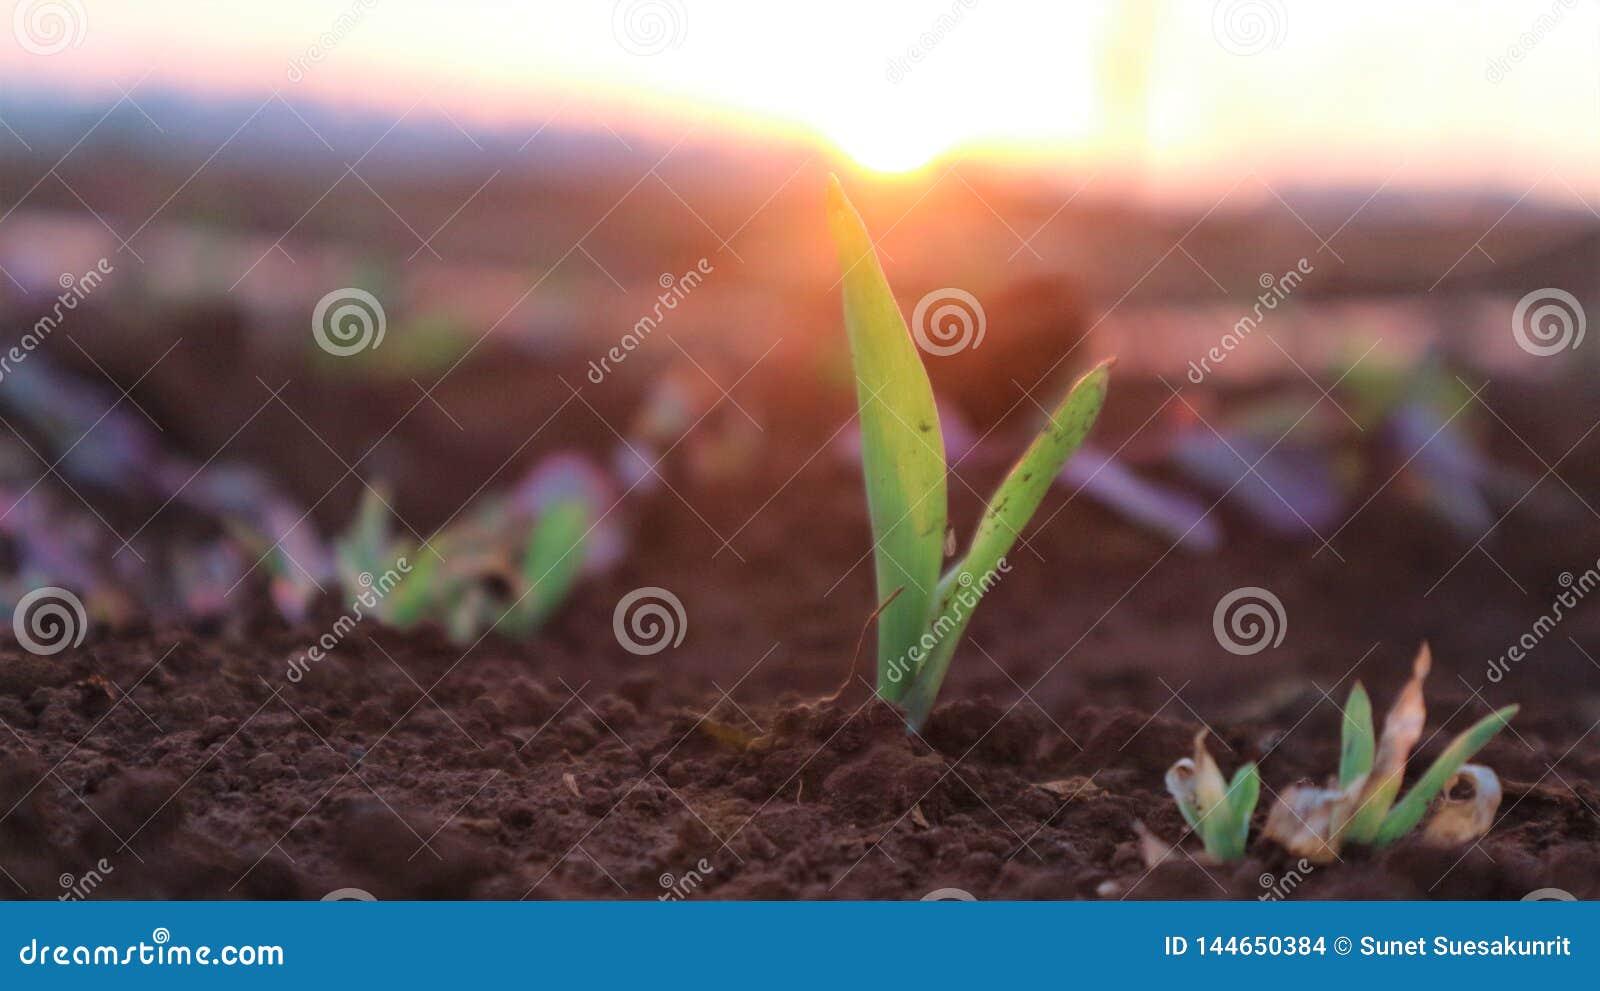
(887, 150)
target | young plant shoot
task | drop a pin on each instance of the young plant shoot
(1360, 808)
(1217, 810)
(506, 565)
(903, 460)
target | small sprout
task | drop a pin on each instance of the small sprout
(506, 565)
(903, 460)
(1361, 807)
(1218, 811)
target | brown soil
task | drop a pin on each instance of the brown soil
(568, 768)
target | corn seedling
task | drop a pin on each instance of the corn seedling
(1361, 808)
(903, 460)
(1219, 811)
(507, 565)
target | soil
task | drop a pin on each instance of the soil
(181, 763)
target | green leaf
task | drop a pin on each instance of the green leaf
(1410, 810)
(1243, 793)
(1357, 742)
(550, 566)
(365, 547)
(1010, 508)
(408, 603)
(902, 451)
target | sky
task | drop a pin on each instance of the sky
(1173, 94)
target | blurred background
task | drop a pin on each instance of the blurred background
(258, 261)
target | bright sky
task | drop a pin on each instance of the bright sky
(1177, 93)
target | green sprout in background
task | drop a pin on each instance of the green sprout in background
(1360, 807)
(506, 565)
(1217, 810)
(903, 459)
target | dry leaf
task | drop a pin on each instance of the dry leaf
(571, 783)
(918, 819)
(1067, 789)
(1458, 821)
(1306, 820)
(1152, 849)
